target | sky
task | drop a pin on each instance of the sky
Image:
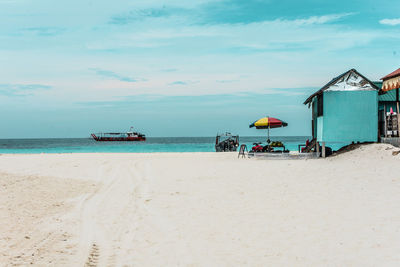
(181, 68)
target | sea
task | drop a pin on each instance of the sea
(151, 145)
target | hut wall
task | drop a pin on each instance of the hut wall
(349, 116)
(320, 128)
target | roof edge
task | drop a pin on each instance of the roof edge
(334, 80)
(391, 75)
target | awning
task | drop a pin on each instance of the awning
(390, 84)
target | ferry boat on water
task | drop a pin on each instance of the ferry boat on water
(128, 136)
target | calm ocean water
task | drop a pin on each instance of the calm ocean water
(153, 144)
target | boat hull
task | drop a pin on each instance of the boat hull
(119, 139)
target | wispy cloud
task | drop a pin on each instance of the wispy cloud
(265, 95)
(277, 35)
(140, 14)
(45, 31)
(222, 12)
(391, 22)
(169, 70)
(318, 19)
(21, 89)
(178, 83)
(226, 81)
(113, 75)
(184, 82)
(250, 11)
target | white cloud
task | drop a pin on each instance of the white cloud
(318, 19)
(391, 22)
(264, 35)
(268, 52)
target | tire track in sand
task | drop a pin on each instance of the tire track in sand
(131, 217)
(93, 258)
(91, 234)
(109, 214)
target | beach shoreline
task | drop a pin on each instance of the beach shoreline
(199, 209)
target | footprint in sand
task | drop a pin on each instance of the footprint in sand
(93, 257)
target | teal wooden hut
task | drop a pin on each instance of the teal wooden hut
(345, 110)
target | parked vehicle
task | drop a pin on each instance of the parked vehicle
(275, 146)
(257, 147)
(226, 142)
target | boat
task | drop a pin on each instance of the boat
(226, 142)
(128, 136)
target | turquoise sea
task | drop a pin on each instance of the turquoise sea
(152, 144)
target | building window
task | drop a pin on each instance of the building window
(320, 105)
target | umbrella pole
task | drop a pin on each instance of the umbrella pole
(268, 141)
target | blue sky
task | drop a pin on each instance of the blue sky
(181, 68)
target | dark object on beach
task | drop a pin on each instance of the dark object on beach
(243, 150)
(328, 151)
(226, 142)
(257, 148)
(128, 136)
(308, 146)
(311, 146)
(277, 144)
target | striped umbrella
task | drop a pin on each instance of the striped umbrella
(268, 123)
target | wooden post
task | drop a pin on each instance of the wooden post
(312, 129)
(384, 118)
(317, 148)
(398, 116)
(323, 150)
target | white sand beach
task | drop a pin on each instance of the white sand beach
(200, 209)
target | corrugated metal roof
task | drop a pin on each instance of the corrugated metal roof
(388, 96)
(334, 80)
(391, 75)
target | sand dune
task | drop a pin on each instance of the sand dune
(200, 209)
